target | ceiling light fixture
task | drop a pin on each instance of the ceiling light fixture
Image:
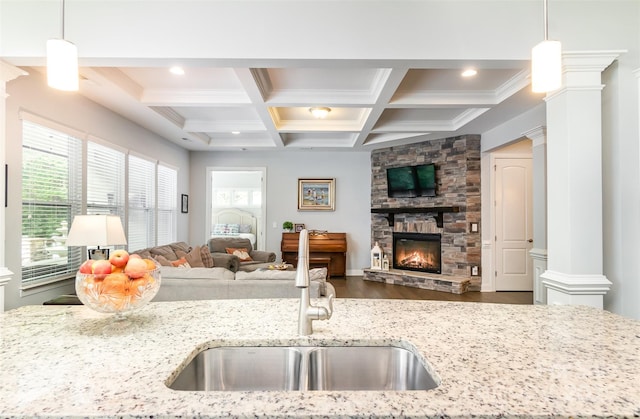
(320, 112)
(470, 72)
(177, 70)
(62, 63)
(546, 61)
(235, 132)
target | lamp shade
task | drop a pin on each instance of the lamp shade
(96, 230)
(546, 66)
(62, 65)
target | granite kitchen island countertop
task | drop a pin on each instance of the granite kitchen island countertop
(491, 360)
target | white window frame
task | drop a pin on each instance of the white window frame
(84, 139)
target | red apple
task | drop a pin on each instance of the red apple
(136, 268)
(100, 268)
(85, 268)
(119, 258)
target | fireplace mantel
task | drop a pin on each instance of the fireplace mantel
(391, 212)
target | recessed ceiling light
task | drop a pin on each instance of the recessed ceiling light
(235, 132)
(320, 112)
(178, 71)
(470, 72)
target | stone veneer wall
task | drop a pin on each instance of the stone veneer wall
(457, 163)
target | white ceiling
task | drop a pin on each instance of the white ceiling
(373, 104)
(390, 70)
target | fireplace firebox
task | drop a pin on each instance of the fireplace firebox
(417, 252)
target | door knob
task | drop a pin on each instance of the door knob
(530, 240)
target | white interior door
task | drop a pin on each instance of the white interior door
(514, 224)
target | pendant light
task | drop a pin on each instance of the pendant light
(62, 62)
(546, 62)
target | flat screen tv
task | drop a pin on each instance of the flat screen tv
(411, 181)
(426, 176)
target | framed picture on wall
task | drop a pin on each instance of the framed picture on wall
(298, 227)
(316, 194)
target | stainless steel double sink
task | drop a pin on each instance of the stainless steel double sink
(300, 368)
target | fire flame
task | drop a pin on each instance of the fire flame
(418, 260)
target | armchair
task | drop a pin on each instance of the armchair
(259, 258)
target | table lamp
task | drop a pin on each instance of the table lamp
(96, 230)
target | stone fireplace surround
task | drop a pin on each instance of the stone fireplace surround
(457, 161)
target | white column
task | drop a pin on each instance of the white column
(7, 73)
(538, 253)
(574, 183)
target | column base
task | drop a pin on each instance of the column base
(573, 289)
(5, 277)
(539, 257)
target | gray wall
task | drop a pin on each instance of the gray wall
(31, 94)
(352, 171)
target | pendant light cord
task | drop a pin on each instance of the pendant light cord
(545, 12)
(62, 19)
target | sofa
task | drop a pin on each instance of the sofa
(191, 273)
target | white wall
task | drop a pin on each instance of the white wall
(352, 171)
(30, 93)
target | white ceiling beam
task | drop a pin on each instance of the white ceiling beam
(387, 86)
(253, 81)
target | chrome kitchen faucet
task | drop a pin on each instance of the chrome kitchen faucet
(308, 313)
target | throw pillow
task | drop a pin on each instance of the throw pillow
(205, 255)
(181, 263)
(145, 254)
(245, 228)
(165, 251)
(163, 261)
(242, 253)
(180, 246)
(233, 229)
(226, 229)
(219, 229)
(193, 257)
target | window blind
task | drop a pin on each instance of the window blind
(51, 197)
(142, 201)
(105, 180)
(167, 204)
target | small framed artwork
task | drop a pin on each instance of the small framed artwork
(185, 204)
(316, 194)
(298, 227)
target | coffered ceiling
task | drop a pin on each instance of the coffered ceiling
(265, 105)
(390, 70)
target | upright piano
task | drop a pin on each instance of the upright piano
(325, 249)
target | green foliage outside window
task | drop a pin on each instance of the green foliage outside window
(45, 193)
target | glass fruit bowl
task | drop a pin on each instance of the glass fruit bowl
(119, 291)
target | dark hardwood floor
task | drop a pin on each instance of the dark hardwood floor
(356, 287)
